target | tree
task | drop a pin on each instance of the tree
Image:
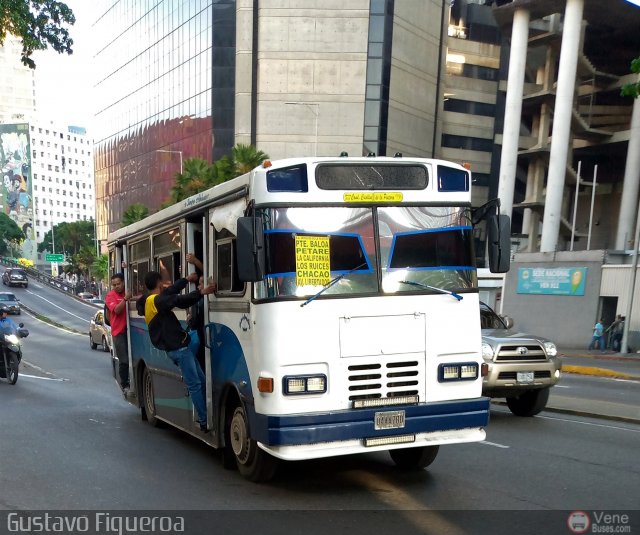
(69, 237)
(101, 267)
(246, 158)
(633, 89)
(39, 23)
(135, 212)
(198, 175)
(10, 234)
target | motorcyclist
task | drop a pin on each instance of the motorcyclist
(7, 325)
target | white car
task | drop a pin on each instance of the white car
(100, 333)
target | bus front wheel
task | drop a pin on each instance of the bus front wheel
(414, 458)
(253, 463)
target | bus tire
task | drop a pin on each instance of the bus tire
(414, 458)
(529, 403)
(253, 463)
(148, 404)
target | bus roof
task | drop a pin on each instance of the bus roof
(240, 187)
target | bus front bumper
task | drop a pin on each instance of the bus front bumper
(309, 436)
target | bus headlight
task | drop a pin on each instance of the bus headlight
(304, 384)
(458, 371)
(551, 349)
(487, 351)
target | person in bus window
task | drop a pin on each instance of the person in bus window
(167, 334)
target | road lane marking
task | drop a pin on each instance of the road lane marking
(43, 378)
(52, 326)
(57, 306)
(588, 423)
(562, 386)
(494, 444)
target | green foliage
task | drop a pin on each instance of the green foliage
(10, 234)
(135, 212)
(100, 268)
(633, 89)
(69, 238)
(198, 175)
(39, 23)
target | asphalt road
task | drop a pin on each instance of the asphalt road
(56, 305)
(80, 445)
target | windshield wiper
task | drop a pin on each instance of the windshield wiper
(331, 283)
(441, 290)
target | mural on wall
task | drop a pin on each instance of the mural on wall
(552, 281)
(16, 186)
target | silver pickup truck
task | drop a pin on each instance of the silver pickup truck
(522, 367)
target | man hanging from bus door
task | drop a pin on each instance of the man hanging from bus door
(167, 334)
(116, 301)
(195, 316)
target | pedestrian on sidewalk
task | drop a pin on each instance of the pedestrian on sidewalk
(598, 336)
(617, 331)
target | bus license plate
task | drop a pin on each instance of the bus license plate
(389, 420)
(524, 377)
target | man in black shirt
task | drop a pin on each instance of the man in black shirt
(167, 333)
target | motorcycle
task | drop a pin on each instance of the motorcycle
(11, 349)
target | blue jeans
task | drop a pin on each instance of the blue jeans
(193, 377)
(597, 341)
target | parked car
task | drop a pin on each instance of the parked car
(85, 296)
(10, 301)
(100, 333)
(15, 277)
(522, 367)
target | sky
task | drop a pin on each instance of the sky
(64, 83)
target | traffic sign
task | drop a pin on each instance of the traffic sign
(54, 258)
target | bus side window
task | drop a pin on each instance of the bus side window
(139, 254)
(227, 268)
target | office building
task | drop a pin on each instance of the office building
(192, 79)
(17, 84)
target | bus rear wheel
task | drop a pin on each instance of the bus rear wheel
(414, 458)
(149, 406)
(253, 463)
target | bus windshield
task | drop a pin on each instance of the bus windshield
(386, 250)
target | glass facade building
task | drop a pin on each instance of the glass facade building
(165, 69)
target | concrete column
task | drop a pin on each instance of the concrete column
(629, 203)
(571, 36)
(513, 110)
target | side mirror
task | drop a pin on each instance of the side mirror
(508, 321)
(250, 249)
(23, 333)
(21, 325)
(499, 243)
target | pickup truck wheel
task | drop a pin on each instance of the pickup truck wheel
(530, 403)
(414, 458)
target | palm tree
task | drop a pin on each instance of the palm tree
(246, 158)
(198, 175)
(135, 212)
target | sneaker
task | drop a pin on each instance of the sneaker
(125, 389)
(203, 427)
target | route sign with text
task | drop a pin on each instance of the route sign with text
(54, 258)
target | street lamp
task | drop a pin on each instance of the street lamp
(315, 109)
(172, 152)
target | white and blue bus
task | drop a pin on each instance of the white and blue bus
(346, 316)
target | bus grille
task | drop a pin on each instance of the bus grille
(520, 352)
(384, 380)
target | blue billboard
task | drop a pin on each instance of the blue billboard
(552, 281)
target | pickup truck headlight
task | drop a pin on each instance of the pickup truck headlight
(551, 349)
(487, 352)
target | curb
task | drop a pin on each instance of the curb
(48, 320)
(599, 372)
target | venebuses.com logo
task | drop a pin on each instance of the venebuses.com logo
(598, 522)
